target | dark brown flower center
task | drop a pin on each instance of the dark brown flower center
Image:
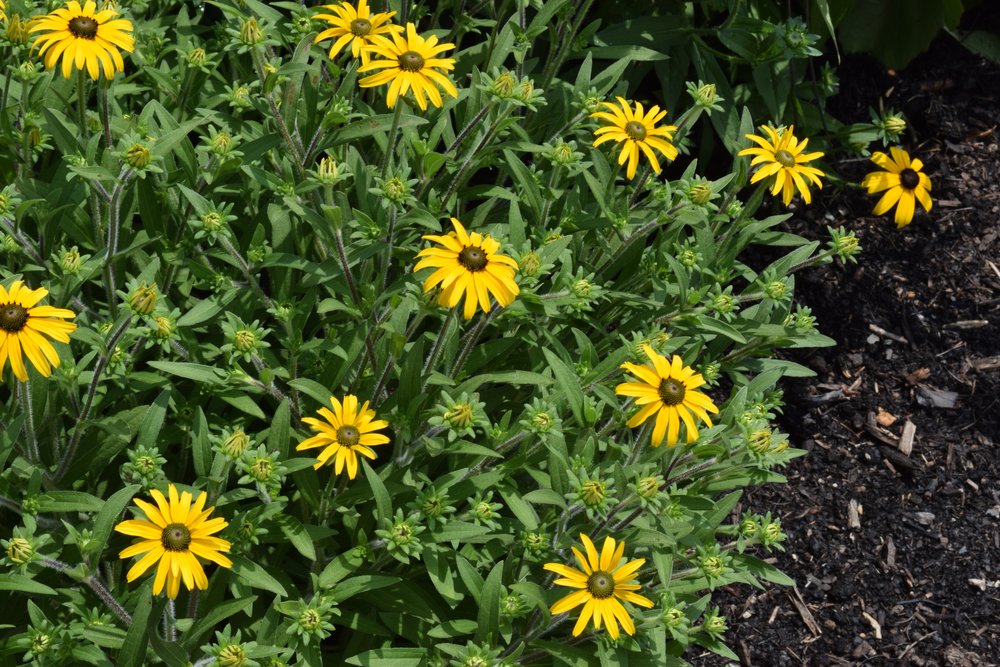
(175, 537)
(635, 130)
(348, 436)
(671, 391)
(411, 61)
(13, 317)
(361, 27)
(784, 158)
(83, 27)
(472, 258)
(909, 179)
(601, 584)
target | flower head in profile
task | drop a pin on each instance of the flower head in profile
(601, 586)
(355, 26)
(636, 129)
(344, 433)
(783, 156)
(3, 15)
(902, 181)
(84, 38)
(468, 264)
(176, 534)
(410, 63)
(23, 327)
(667, 389)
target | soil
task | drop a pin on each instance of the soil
(893, 519)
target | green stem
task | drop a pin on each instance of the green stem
(471, 339)
(390, 146)
(94, 583)
(106, 115)
(468, 160)
(24, 394)
(436, 349)
(81, 104)
(81, 422)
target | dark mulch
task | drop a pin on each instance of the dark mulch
(911, 574)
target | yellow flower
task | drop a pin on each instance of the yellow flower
(410, 64)
(3, 16)
(346, 433)
(176, 533)
(783, 158)
(667, 390)
(468, 264)
(84, 37)
(355, 26)
(903, 182)
(639, 132)
(601, 584)
(22, 325)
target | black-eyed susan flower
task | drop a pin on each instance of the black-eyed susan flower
(903, 182)
(345, 433)
(84, 38)
(175, 534)
(23, 327)
(3, 15)
(410, 64)
(637, 130)
(468, 264)
(355, 26)
(667, 390)
(601, 585)
(783, 157)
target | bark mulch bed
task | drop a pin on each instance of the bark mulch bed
(893, 519)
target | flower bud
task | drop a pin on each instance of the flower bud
(483, 511)
(396, 190)
(715, 624)
(212, 221)
(648, 487)
(894, 125)
(503, 85)
(328, 171)
(164, 327)
(460, 416)
(19, 551)
(10, 245)
(760, 441)
(235, 444)
(40, 643)
(776, 289)
(723, 304)
(197, 57)
(713, 566)
(581, 288)
(705, 95)
(674, 617)
(592, 492)
(310, 620)
(245, 340)
(27, 70)
(221, 143)
(700, 193)
(138, 156)
(142, 301)
(542, 422)
(232, 655)
(261, 468)
(250, 33)
(534, 542)
(17, 30)
(530, 264)
(70, 260)
(563, 154)
(748, 528)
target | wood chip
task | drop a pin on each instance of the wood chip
(968, 324)
(803, 609)
(874, 328)
(876, 628)
(936, 398)
(853, 514)
(917, 376)
(885, 418)
(985, 363)
(890, 553)
(906, 439)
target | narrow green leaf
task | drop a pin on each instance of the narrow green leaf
(69, 501)
(279, 435)
(568, 383)
(383, 503)
(296, 533)
(152, 421)
(22, 584)
(390, 657)
(133, 653)
(255, 576)
(218, 614)
(113, 507)
(197, 372)
(489, 605)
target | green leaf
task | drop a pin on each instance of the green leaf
(197, 372)
(460, 531)
(390, 657)
(719, 327)
(457, 628)
(568, 383)
(522, 510)
(217, 614)
(296, 533)
(69, 501)
(169, 652)
(133, 653)
(489, 605)
(152, 421)
(200, 445)
(113, 507)
(373, 125)
(255, 576)
(361, 584)
(22, 584)
(280, 433)
(383, 503)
